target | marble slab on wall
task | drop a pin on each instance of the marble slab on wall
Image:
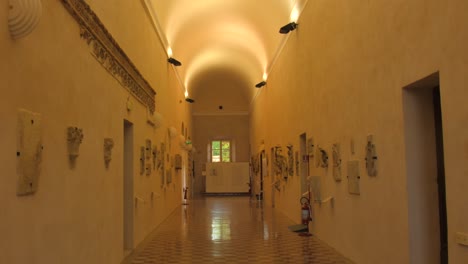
(29, 151)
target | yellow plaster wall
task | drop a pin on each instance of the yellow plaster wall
(339, 78)
(76, 216)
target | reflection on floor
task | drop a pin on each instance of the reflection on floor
(231, 230)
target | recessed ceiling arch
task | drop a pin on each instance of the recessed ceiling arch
(233, 35)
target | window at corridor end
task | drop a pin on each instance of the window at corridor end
(220, 151)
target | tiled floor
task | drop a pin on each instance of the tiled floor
(231, 230)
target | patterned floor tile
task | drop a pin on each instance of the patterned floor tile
(231, 230)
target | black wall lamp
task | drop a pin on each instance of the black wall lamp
(260, 84)
(174, 61)
(190, 100)
(288, 28)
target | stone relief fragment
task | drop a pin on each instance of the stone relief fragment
(290, 160)
(371, 157)
(74, 139)
(108, 145)
(336, 154)
(280, 164)
(353, 177)
(148, 169)
(297, 162)
(162, 163)
(148, 149)
(29, 151)
(321, 159)
(154, 155)
(142, 160)
(255, 164)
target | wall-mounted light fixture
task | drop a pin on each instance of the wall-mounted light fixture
(288, 28)
(190, 100)
(260, 84)
(174, 61)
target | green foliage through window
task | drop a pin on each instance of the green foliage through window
(221, 151)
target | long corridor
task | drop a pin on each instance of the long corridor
(230, 230)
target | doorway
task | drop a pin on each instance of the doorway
(128, 187)
(425, 171)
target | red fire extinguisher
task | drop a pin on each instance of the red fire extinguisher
(305, 211)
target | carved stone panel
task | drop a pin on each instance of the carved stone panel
(371, 157)
(108, 145)
(148, 149)
(353, 177)
(74, 138)
(290, 160)
(29, 151)
(154, 154)
(336, 153)
(142, 160)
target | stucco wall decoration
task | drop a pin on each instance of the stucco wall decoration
(29, 151)
(109, 54)
(108, 145)
(23, 17)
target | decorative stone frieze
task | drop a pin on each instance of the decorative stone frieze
(109, 54)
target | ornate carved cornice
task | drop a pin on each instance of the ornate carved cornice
(109, 54)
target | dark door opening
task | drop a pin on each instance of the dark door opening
(440, 176)
(425, 171)
(128, 186)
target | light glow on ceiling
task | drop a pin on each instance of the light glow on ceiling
(235, 35)
(294, 15)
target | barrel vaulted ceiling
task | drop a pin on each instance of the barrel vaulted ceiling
(236, 37)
